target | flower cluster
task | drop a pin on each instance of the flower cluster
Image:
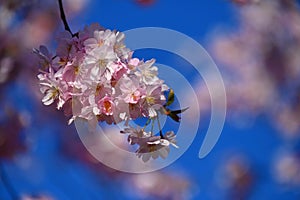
(94, 76)
(150, 145)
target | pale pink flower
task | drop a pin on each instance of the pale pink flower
(45, 57)
(153, 147)
(106, 105)
(127, 111)
(153, 100)
(120, 48)
(66, 49)
(118, 69)
(150, 146)
(101, 38)
(97, 61)
(54, 89)
(147, 72)
(89, 108)
(131, 90)
(49, 87)
(88, 31)
(70, 71)
(133, 63)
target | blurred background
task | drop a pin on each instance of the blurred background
(255, 44)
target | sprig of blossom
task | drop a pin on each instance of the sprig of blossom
(97, 74)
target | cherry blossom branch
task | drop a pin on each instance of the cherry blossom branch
(5, 180)
(134, 77)
(63, 17)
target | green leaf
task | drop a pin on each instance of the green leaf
(179, 111)
(173, 113)
(175, 117)
(170, 97)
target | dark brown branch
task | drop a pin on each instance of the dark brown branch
(63, 17)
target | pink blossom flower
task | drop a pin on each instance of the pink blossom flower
(131, 90)
(153, 147)
(70, 71)
(133, 63)
(153, 100)
(45, 57)
(150, 146)
(95, 74)
(118, 69)
(107, 38)
(97, 61)
(106, 105)
(147, 72)
(49, 87)
(66, 49)
(88, 31)
(120, 48)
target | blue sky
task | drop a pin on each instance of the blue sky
(68, 179)
(199, 20)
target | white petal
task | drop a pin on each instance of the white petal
(154, 142)
(174, 145)
(96, 111)
(71, 120)
(164, 87)
(46, 84)
(164, 152)
(60, 104)
(95, 71)
(122, 115)
(47, 97)
(164, 142)
(50, 101)
(41, 77)
(152, 113)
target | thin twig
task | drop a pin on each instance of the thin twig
(5, 180)
(146, 124)
(63, 17)
(160, 131)
(152, 127)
